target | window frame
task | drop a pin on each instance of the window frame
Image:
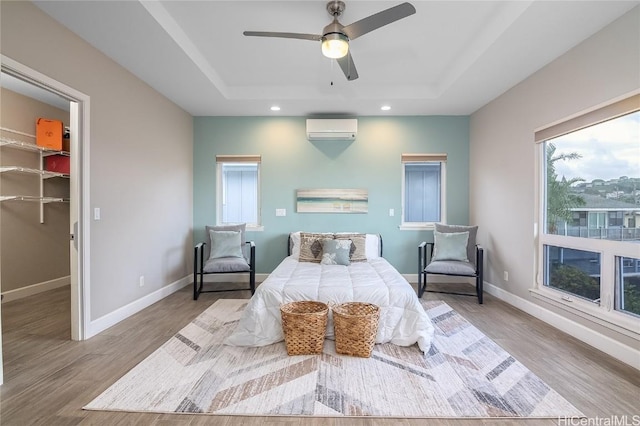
(424, 158)
(221, 160)
(603, 313)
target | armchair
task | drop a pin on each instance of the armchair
(454, 252)
(227, 252)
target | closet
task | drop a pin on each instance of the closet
(34, 201)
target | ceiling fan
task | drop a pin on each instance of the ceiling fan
(335, 36)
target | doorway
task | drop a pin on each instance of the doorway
(78, 189)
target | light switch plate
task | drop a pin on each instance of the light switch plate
(281, 212)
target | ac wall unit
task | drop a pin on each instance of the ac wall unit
(325, 129)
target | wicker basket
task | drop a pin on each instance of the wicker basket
(304, 324)
(355, 326)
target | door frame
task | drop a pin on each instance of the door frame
(79, 226)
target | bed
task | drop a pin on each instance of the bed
(306, 275)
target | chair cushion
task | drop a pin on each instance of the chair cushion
(471, 244)
(225, 244)
(226, 264)
(451, 267)
(450, 246)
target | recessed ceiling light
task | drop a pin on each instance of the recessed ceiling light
(275, 108)
(385, 107)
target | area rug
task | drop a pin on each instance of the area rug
(465, 374)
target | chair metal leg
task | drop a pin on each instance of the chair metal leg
(195, 285)
(195, 274)
(480, 277)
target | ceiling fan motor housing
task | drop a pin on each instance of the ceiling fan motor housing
(335, 8)
(334, 28)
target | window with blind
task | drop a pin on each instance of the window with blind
(589, 244)
(238, 195)
(423, 189)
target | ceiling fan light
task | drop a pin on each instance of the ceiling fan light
(335, 45)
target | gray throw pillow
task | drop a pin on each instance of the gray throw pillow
(239, 227)
(335, 252)
(450, 246)
(225, 244)
(358, 252)
(471, 244)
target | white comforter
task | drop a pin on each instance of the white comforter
(403, 321)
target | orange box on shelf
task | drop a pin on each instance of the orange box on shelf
(49, 133)
(57, 163)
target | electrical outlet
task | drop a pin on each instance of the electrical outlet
(141, 281)
(505, 275)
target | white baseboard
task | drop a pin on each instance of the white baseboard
(112, 318)
(30, 290)
(624, 353)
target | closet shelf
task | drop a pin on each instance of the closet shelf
(33, 198)
(45, 174)
(30, 147)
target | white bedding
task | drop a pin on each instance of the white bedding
(403, 321)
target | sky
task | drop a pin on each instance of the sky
(609, 150)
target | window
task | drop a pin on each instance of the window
(589, 244)
(238, 195)
(615, 218)
(579, 219)
(573, 271)
(628, 285)
(423, 189)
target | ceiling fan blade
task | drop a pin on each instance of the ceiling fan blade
(378, 20)
(348, 67)
(314, 37)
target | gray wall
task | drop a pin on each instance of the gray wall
(140, 171)
(502, 149)
(32, 252)
(290, 162)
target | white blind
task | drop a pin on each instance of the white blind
(422, 158)
(608, 112)
(238, 158)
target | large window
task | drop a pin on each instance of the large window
(590, 205)
(238, 195)
(423, 189)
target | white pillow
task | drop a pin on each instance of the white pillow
(372, 246)
(295, 244)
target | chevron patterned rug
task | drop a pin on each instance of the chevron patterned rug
(464, 375)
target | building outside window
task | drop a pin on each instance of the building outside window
(589, 247)
(238, 189)
(423, 190)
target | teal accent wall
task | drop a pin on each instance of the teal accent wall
(291, 162)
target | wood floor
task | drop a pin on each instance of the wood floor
(48, 378)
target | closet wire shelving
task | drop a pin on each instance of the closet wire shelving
(44, 174)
